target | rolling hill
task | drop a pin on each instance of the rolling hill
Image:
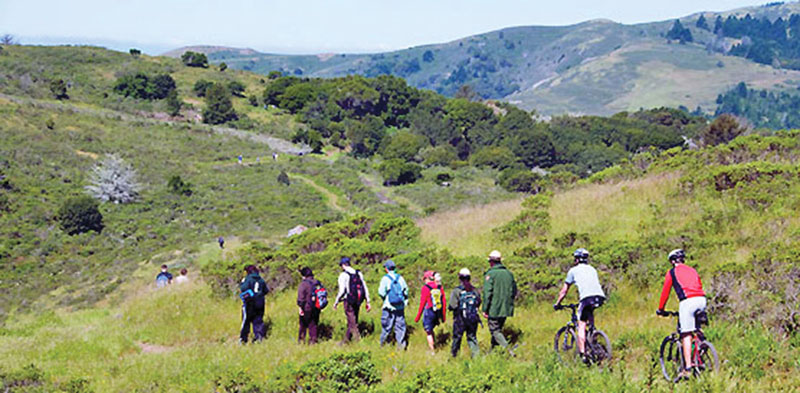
(596, 67)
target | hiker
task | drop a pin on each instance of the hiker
(252, 291)
(312, 297)
(240, 159)
(182, 279)
(465, 303)
(499, 292)
(432, 306)
(352, 292)
(164, 278)
(394, 292)
(221, 242)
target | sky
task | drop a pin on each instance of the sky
(310, 26)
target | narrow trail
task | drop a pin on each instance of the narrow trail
(274, 143)
(331, 199)
(386, 196)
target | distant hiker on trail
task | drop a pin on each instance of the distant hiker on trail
(240, 159)
(274, 156)
(252, 291)
(352, 291)
(182, 279)
(394, 292)
(590, 293)
(432, 307)
(221, 242)
(465, 304)
(312, 297)
(164, 278)
(499, 292)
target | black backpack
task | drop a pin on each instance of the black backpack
(355, 290)
(468, 306)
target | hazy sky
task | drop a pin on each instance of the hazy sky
(310, 26)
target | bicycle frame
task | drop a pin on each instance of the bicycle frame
(697, 338)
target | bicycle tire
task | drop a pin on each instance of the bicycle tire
(565, 342)
(600, 347)
(708, 358)
(671, 358)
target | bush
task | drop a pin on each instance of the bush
(135, 52)
(79, 215)
(174, 104)
(442, 155)
(144, 87)
(194, 59)
(236, 88)
(521, 180)
(723, 129)
(177, 186)
(342, 372)
(59, 89)
(219, 107)
(397, 172)
(223, 67)
(283, 178)
(201, 86)
(113, 180)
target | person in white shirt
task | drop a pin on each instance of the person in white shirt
(352, 292)
(182, 278)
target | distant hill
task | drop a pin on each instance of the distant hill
(208, 49)
(596, 67)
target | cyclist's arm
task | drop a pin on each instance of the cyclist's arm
(562, 293)
(665, 292)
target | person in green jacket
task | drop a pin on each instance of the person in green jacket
(499, 292)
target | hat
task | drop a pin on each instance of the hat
(495, 255)
(464, 273)
(437, 277)
(344, 261)
(389, 265)
(428, 275)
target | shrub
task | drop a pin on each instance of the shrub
(442, 155)
(59, 89)
(236, 88)
(142, 86)
(236, 382)
(201, 86)
(194, 59)
(219, 108)
(135, 52)
(174, 104)
(113, 180)
(223, 67)
(723, 129)
(283, 178)
(397, 172)
(342, 372)
(177, 186)
(79, 215)
(521, 180)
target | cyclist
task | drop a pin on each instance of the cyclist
(590, 292)
(686, 282)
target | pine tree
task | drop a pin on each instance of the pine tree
(219, 108)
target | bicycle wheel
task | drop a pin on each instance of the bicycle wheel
(707, 360)
(566, 344)
(599, 346)
(671, 358)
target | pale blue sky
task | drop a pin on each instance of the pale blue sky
(310, 26)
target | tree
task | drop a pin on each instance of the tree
(142, 86)
(79, 215)
(441, 155)
(219, 108)
(160, 87)
(404, 145)
(174, 104)
(497, 157)
(467, 92)
(275, 89)
(365, 136)
(679, 33)
(113, 180)
(702, 23)
(177, 186)
(397, 172)
(274, 75)
(201, 86)
(534, 147)
(8, 39)
(223, 67)
(236, 88)
(135, 52)
(521, 180)
(59, 89)
(427, 56)
(723, 129)
(194, 59)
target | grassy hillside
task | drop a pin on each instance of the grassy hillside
(597, 67)
(731, 207)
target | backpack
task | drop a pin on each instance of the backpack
(355, 290)
(319, 296)
(437, 301)
(468, 306)
(162, 280)
(395, 294)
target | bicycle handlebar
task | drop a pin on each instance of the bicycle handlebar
(564, 306)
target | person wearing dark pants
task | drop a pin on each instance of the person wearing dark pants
(252, 292)
(465, 303)
(352, 292)
(499, 292)
(309, 313)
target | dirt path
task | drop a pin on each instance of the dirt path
(331, 198)
(384, 194)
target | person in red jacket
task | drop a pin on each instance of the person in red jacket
(432, 306)
(686, 282)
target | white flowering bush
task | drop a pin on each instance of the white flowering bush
(113, 180)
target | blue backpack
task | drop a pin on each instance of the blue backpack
(162, 280)
(395, 294)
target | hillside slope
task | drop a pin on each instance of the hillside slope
(596, 67)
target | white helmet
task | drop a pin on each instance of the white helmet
(464, 273)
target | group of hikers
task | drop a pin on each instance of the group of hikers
(467, 304)
(164, 278)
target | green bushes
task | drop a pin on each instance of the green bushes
(59, 89)
(177, 186)
(194, 59)
(397, 172)
(80, 214)
(145, 87)
(219, 107)
(341, 372)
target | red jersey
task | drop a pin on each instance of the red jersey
(686, 283)
(425, 301)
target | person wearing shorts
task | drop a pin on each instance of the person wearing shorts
(689, 289)
(590, 293)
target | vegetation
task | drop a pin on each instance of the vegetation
(763, 40)
(114, 180)
(219, 108)
(762, 108)
(194, 59)
(145, 87)
(80, 214)
(59, 89)
(680, 33)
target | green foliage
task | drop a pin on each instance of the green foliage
(341, 372)
(762, 108)
(532, 223)
(521, 180)
(223, 67)
(177, 186)
(201, 87)
(236, 382)
(143, 86)
(194, 59)
(764, 40)
(219, 107)
(174, 104)
(135, 53)
(404, 146)
(283, 178)
(722, 130)
(396, 172)
(311, 138)
(497, 157)
(59, 89)
(236, 88)
(679, 33)
(80, 214)
(438, 156)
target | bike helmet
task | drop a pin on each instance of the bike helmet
(677, 255)
(581, 255)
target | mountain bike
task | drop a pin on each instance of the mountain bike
(598, 346)
(704, 355)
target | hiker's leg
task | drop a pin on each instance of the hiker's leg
(351, 318)
(258, 324)
(244, 331)
(458, 332)
(301, 334)
(496, 328)
(400, 328)
(431, 340)
(472, 339)
(356, 334)
(312, 327)
(387, 318)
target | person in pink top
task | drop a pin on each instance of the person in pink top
(432, 306)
